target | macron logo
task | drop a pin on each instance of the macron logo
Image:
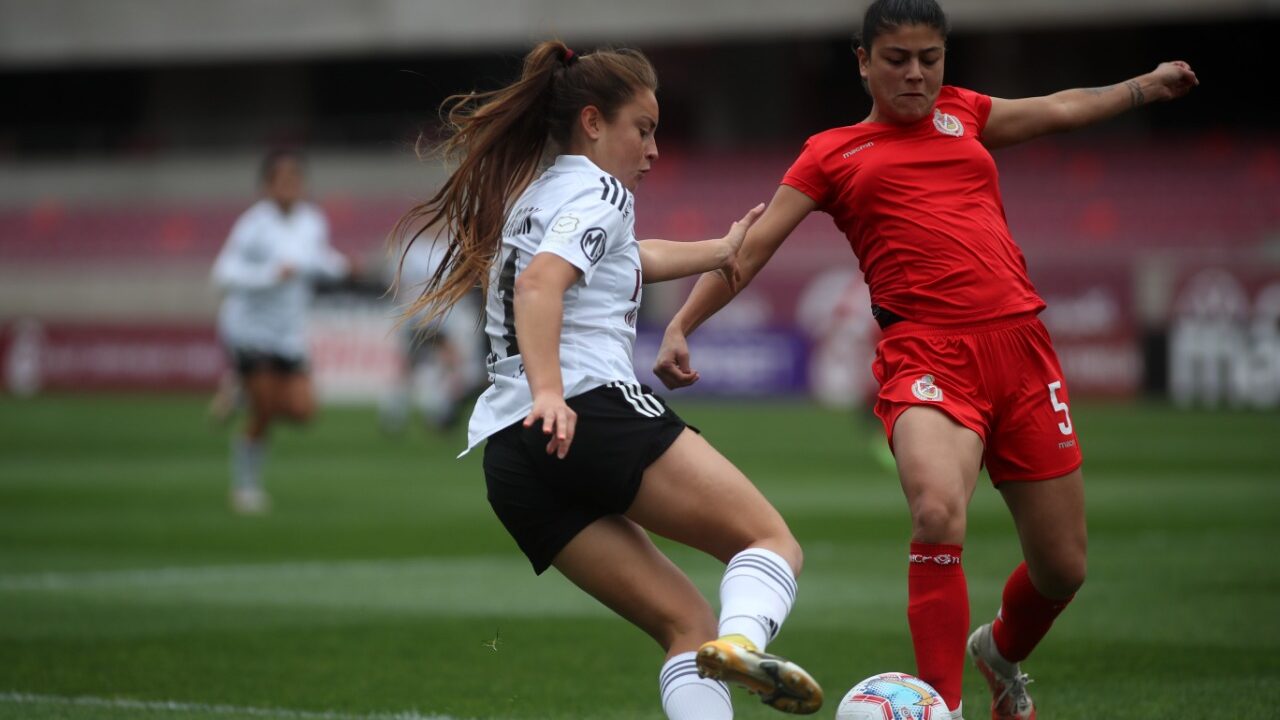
(858, 149)
(943, 559)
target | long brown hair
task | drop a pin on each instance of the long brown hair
(498, 139)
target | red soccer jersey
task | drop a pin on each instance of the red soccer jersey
(921, 207)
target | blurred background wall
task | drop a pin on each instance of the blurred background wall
(132, 132)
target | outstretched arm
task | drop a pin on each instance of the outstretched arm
(788, 207)
(666, 260)
(1015, 121)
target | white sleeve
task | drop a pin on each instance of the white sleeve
(241, 265)
(332, 265)
(323, 261)
(583, 230)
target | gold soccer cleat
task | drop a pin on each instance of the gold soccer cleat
(779, 682)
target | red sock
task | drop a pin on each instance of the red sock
(1025, 616)
(938, 613)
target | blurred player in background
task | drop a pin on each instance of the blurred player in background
(835, 312)
(968, 376)
(276, 252)
(580, 458)
(442, 357)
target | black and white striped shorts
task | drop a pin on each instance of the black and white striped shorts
(544, 501)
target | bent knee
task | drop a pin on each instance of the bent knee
(1071, 578)
(788, 548)
(937, 522)
(780, 542)
(1060, 578)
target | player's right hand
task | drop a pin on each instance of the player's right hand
(558, 422)
(1174, 79)
(672, 365)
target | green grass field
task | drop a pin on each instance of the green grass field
(382, 586)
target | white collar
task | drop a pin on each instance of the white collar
(576, 162)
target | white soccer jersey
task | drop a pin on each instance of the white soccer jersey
(581, 213)
(260, 311)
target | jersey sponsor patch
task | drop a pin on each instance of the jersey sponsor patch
(924, 389)
(563, 230)
(566, 223)
(948, 124)
(593, 244)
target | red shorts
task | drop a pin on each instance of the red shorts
(1000, 379)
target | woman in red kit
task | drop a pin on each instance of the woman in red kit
(967, 373)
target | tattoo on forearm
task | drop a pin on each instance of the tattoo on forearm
(1099, 90)
(1135, 93)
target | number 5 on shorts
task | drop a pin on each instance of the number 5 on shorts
(1059, 406)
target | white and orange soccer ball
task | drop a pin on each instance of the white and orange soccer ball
(892, 696)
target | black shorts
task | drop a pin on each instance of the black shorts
(247, 362)
(544, 501)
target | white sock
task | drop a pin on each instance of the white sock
(685, 696)
(246, 462)
(756, 595)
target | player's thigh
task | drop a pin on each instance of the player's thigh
(1050, 518)
(262, 390)
(614, 561)
(938, 463)
(296, 394)
(692, 494)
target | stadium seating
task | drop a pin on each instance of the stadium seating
(1207, 192)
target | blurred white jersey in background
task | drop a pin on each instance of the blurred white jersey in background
(263, 310)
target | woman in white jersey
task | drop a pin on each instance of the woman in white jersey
(579, 458)
(276, 252)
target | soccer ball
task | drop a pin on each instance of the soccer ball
(892, 696)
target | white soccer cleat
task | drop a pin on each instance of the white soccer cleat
(1009, 698)
(780, 683)
(250, 501)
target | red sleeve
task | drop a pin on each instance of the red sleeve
(806, 174)
(979, 104)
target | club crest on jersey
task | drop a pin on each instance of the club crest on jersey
(948, 124)
(593, 244)
(926, 390)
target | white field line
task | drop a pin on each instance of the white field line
(197, 573)
(159, 706)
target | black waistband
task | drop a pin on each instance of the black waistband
(885, 317)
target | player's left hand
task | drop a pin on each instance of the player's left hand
(737, 233)
(1173, 80)
(558, 422)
